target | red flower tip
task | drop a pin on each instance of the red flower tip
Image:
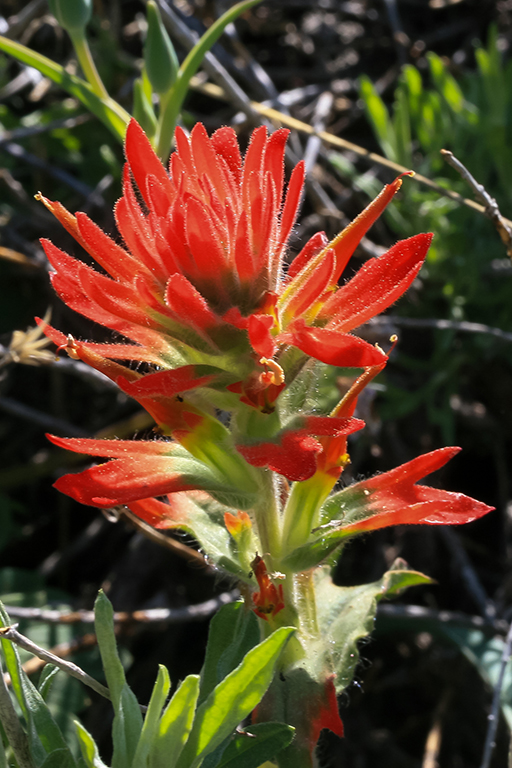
(393, 498)
(327, 714)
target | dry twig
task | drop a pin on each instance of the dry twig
(12, 634)
(503, 226)
(188, 613)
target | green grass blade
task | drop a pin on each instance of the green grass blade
(379, 118)
(172, 104)
(107, 110)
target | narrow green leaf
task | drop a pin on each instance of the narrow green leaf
(104, 626)
(46, 679)
(378, 115)
(485, 653)
(88, 747)
(402, 128)
(255, 745)
(233, 699)
(189, 67)
(58, 758)
(107, 110)
(127, 724)
(233, 632)
(126, 729)
(175, 725)
(152, 718)
(445, 83)
(43, 732)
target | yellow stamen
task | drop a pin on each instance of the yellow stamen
(275, 369)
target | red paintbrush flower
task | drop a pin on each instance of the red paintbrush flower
(201, 275)
(199, 289)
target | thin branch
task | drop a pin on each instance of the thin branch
(18, 134)
(22, 19)
(320, 116)
(12, 726)
(180, 549)
(211, 64)
(503, 226)
(493, 717)
(12, 634)
(62, 650)
(189, 613)
(44, 420)
(443, 325)
(20, 153)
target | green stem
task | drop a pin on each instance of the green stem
(267, 518)
(83, 52)
(170, 112)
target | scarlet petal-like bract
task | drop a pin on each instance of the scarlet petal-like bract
(294, 454)
(335, 347)
(393, 498)
(138, 470)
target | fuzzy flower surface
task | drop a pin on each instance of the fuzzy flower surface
(220, 342)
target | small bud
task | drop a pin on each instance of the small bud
(160, 57)
(237, 524)
(72, 15)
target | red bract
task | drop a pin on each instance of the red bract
(294, 453)
(393, 498)
(138, 469)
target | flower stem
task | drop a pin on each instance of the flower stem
(83, 52)
(267, 518)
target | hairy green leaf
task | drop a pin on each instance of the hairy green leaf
(175, 725)
(233, 699)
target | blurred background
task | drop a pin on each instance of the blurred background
(402, 79)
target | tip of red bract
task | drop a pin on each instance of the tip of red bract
(328, 715)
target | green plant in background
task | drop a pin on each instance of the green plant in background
(472, 118)
(463, 275)
(162, 76)
(196, 725)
